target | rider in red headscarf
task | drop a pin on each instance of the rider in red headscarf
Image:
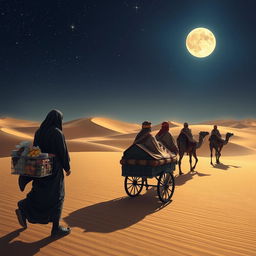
(165, 138)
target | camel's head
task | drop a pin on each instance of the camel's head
(203, 134)
(229, 134)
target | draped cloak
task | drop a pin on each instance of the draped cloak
(167, 140)
(149, 144)
(44, 202)
(215, 135)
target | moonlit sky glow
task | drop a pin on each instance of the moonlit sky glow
(126, 59)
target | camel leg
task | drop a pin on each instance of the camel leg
(216, 155)
(211, 149)
(218, 160)
(190, 162)
(180, 158)
(219, 154)
(195, 156)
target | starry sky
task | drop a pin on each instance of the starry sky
(126, 60)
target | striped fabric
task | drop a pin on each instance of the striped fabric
(148, 162)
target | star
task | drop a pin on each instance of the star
(136, 7)
(72, 26)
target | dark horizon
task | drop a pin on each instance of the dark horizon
(126, 60)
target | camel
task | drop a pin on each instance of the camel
(217, 144)
(185, 146)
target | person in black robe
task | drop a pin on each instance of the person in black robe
(44, 202)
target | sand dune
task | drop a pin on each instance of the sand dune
(85, 127)
(103, 134)
(118, 126)
(242, 143)
(122, 144)
(12, 122)
(85, 146)
(244, 123)
(27, 130)
(171, 125)
(212, 212)
(16, 133)
(8, 142)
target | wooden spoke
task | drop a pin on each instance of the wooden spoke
(130, 179)
(133, 185)
(165, 187)
(130, 186)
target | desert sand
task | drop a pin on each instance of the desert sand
(212, 211)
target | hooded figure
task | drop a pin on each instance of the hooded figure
(44, 202)
(144, 133)
(215, 132)
(148, 143)
(188, 133)
(165, 137)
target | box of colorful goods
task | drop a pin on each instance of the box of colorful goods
(30, 161)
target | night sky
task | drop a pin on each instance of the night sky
(126, 59)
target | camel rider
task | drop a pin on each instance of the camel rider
(148, 142)
(144, 133)
(165, 137)
(186, 131)
(216, 132)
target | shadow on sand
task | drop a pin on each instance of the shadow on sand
(115, 214)
(182, 179)
(224, 167)
(9, 248)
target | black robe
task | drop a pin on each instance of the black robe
(43, 203)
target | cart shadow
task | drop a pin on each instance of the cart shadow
(22, 248)
(224, 167)
(182, 179)
(115, 214)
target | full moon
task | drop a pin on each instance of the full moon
(200, 42)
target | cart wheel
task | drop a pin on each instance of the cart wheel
(165, 186)
(133, 185)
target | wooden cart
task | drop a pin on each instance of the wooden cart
(137, 172)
